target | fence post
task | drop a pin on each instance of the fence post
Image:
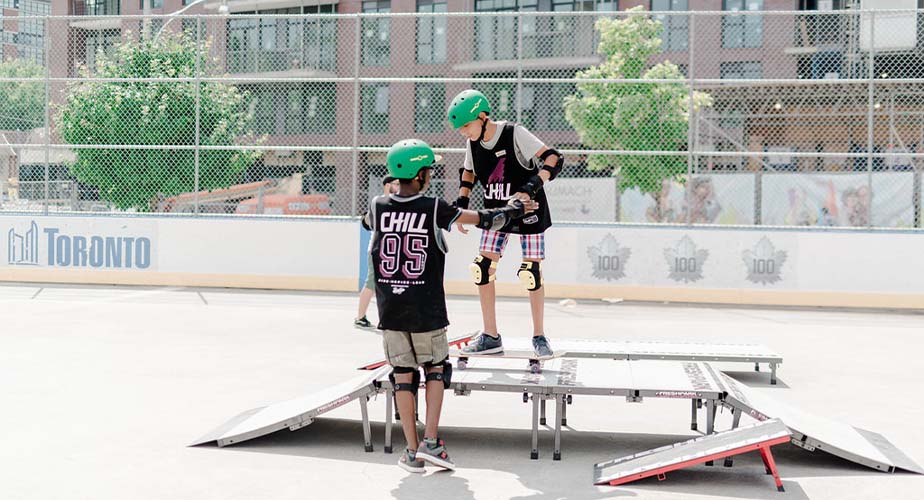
(354, 173)
(520, 67)
(691, 122)
(870, 74)
(198, 111)
(47, 140)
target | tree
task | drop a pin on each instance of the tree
(633, 116)
(154, 113)
(22, 103)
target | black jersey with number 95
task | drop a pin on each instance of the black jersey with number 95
(408, 258)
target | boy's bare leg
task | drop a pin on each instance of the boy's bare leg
(365, 297)
(435, 389)
(537, 306)
(487, 294)
(405, 402)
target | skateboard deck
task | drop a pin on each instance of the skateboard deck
(535, 362)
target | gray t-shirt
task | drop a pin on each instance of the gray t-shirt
(524, 142)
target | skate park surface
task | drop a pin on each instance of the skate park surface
(104, 388)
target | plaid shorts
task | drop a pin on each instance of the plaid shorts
(533, 245)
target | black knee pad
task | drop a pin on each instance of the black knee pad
(445, 375)
(415, 381)
(481, 270)
(530, 275)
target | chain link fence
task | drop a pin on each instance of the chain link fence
(735, 117)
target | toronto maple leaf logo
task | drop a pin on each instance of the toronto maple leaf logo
(608, 259)
(764, 262)
(685, 261)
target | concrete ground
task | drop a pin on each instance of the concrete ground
(103, 388)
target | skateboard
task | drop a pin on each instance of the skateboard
(535, 362)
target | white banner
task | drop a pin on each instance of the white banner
(582, 200)
(838, 199)
(714, 199)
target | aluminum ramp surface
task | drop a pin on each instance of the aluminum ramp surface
(643, 350)
(299, 412)
(813, 432)
(659, 461)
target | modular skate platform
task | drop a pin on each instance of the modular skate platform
(563, 378)
(630, 350)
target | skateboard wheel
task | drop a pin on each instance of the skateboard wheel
(462, 364)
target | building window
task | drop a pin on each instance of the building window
(284, 43)
(741, 70)
(431, 33)
(375, 103)
(375, 33)
(496, 37)
(154, 4)
(429, 107)
(676, 34)
(100, 42)
(742, 31)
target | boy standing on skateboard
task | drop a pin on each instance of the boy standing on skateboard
(408, 257)
(510, 163)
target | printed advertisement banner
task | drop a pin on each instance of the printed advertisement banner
(838, 199)
(714, 199)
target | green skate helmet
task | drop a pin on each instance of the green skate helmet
(408, 157)
(466, 107)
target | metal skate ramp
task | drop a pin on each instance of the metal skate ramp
(299, 412)
(663, 350)
(813, 432)
(659, 461)
(644, 350)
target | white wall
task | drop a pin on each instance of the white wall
(675, 263)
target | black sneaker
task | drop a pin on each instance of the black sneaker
(363, 324)
(485, 344)
(541, 346)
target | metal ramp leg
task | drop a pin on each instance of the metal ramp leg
(559, 412)
(736, 419)
(564, 413)
(770, 465)
(695, 405)
(710, 421)
(367, 430)
(534, 454)
(772, 373)
(388, 420)
(542, 412)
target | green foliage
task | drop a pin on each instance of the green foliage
(22, 103)
(633, 116)
(154, 113)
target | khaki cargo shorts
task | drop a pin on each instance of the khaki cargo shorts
(410, 350)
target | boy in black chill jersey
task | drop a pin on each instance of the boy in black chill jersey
(408, 257)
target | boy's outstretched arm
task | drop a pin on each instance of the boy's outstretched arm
(495, 218)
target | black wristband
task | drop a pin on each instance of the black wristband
(467, 184)
(462, 202)
(532, 186)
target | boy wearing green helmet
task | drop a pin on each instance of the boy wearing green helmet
(408, 259)
(510, 163)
